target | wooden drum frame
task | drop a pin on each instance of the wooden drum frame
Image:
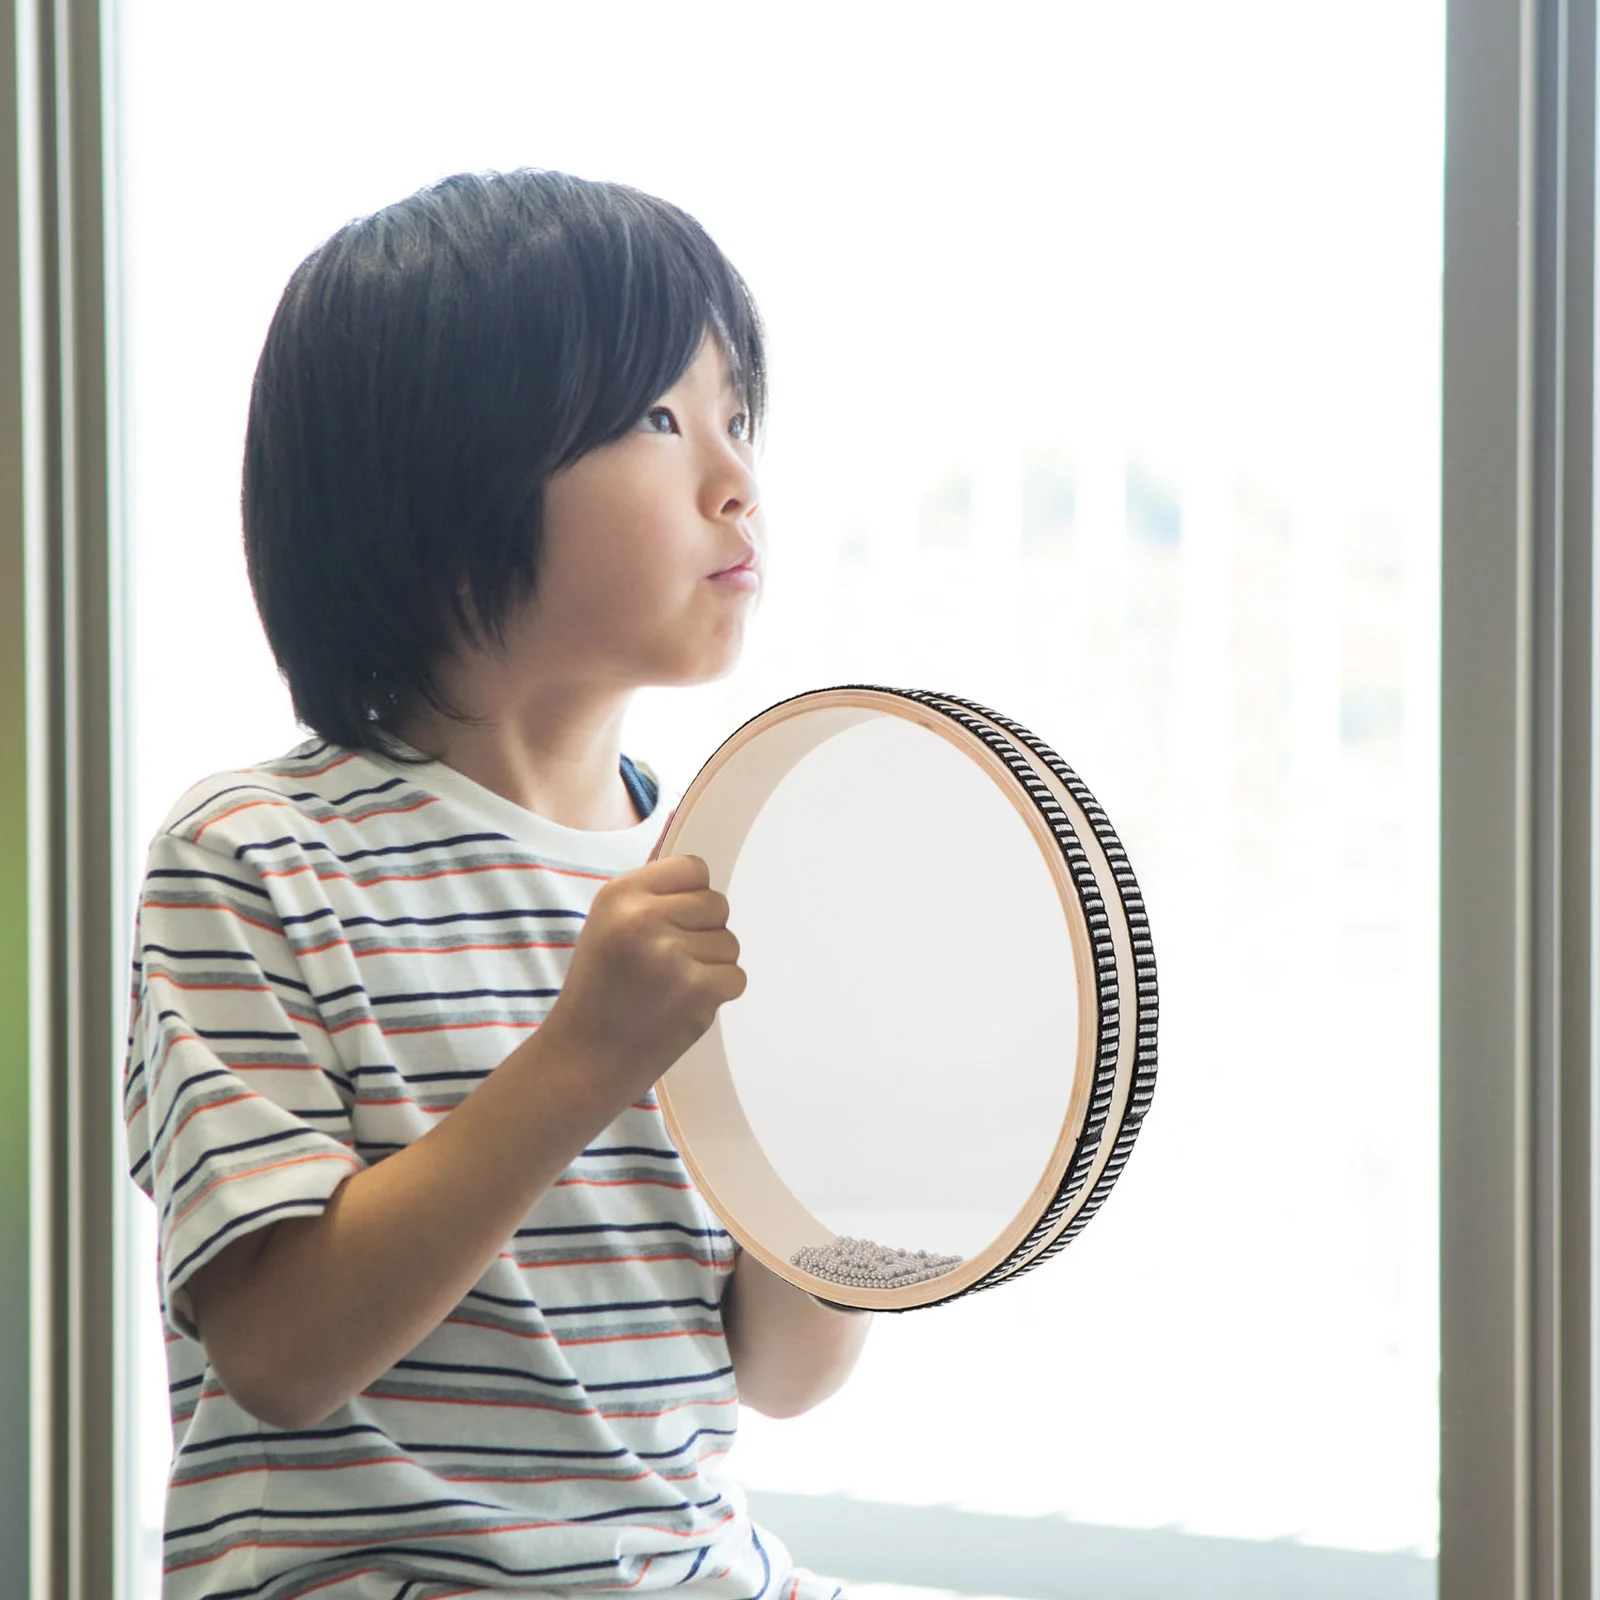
(1114, 1067)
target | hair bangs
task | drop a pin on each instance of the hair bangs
(663, 286)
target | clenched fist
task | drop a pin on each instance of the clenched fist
(654, 962)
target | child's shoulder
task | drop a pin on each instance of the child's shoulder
(317, 785)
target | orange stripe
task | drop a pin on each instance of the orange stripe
(406, 1461)
(457, 1533)
(453, 1400)
(178, 983)
(256, 1172)
(215, 1105)
(273, 1066)
(455, 949)
(454, 1027)
(250, 805)
(610, 1338)
(626, 1338)
(375, 1393)
(597, 1261)
(462, 949)
(405, 1100)
(214, 905)
(442, 872)
(618, 1183)
(436, 1027)
(450, 1477)
(520, 1333)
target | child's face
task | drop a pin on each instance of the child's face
(633, 533)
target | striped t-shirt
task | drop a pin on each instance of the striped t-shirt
(331, 950)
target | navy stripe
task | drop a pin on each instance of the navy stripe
(347, 856)
(312, 753)
(159, 1137)
(209, 877)
(178, 953)
(244, 1220)
(434, 922)
(456, 994)
(530, 1304)
(652, 1226)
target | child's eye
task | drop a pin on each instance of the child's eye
(659, 419)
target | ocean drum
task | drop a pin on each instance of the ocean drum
(947, 1042)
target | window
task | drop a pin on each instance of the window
(1105, 363)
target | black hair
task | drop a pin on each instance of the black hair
(426, 371)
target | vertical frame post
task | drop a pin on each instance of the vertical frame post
(60, 900)
(1517, 749)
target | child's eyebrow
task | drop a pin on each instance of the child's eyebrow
(731, 381)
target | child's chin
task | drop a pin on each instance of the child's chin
(726, 670)
(714, 667)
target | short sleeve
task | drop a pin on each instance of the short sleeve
(237, 1112)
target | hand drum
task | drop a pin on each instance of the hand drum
(947, 1042)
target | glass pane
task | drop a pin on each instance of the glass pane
(1105, 366)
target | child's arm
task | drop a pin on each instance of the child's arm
(300, 1316)
(790, 1352)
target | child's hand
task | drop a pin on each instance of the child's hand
(652, 966)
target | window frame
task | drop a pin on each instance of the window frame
(1517, 957)
(1517, 747)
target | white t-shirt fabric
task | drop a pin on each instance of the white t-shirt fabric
(331, 950)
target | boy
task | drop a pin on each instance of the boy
(445, 1314)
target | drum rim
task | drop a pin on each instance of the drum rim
(1113, 1083)
(1094, 1091)
(1143, 1071)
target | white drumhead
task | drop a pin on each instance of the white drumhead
(899, 1050)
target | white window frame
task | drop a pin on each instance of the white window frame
(1518, 1103)
(1517, 951)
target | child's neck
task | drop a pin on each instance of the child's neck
(563, 768)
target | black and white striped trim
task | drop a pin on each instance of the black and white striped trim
(967, 714)
(1141, 1090)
